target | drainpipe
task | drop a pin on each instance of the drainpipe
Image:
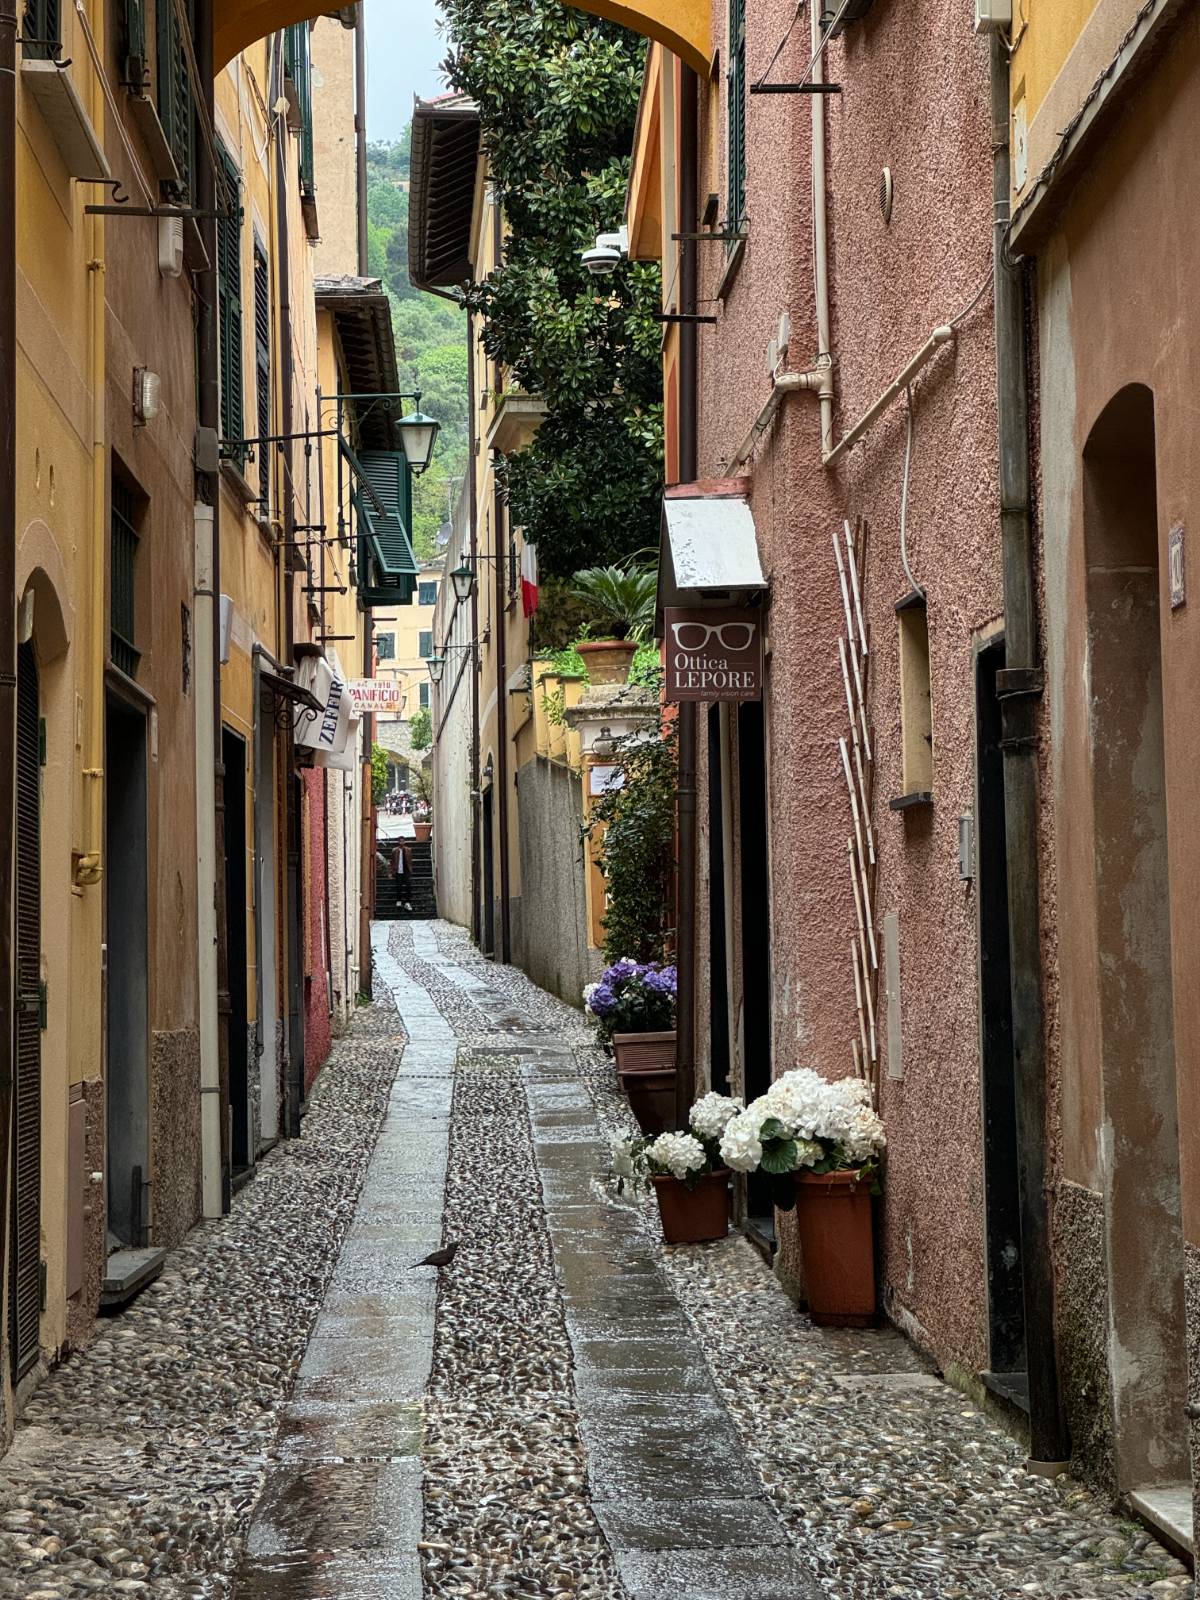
(476, 662)
(685, 932)
(500, 523)
(8, 588)
(820, 233)
(293, 899)
(360, 130)
(214, 1030)
(1019, 687)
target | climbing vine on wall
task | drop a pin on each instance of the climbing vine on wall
(636, 824)
(557, 92)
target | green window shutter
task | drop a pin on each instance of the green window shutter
(262, 361)
(229, 304)
(123, 617)
(173, 89)
(298, 65)
(736, 106)
(134, 23)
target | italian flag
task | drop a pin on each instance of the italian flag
(529, 579)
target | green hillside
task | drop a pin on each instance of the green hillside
(431, 344)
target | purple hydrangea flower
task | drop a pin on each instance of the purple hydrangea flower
(603, 1000)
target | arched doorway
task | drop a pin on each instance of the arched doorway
(24, 1261)
(1139, 1134)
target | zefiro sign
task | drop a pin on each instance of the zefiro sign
(713, 654)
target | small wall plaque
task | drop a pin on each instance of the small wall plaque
(1175, 567)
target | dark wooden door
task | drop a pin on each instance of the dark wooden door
(24, 1287)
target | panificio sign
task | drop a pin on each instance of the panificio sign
(713, 654)
(375, 694)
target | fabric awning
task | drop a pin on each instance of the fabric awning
(327, 730)
(708, 553)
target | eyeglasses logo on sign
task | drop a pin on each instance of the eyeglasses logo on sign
(713, 655)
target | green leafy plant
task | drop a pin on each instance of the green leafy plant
(423, 784)
(621, 598)
(420, 729)
(636, 824)
(557, 92)
(379, 772)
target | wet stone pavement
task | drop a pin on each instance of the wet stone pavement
(570, 1411)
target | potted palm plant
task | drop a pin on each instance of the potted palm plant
(820, 1143)
(622, 602)
(689, 1178)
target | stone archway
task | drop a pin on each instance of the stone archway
(682, 26)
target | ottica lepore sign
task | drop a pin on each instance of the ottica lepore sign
(713, 654)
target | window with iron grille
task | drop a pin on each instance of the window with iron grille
(229, 304)
(262, 365)
(427, 594)
(126, 510)
(736, 110)
(425, 644)
(41, 30)
(297, 60)
(174, 88)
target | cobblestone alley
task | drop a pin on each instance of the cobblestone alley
(294, 1410)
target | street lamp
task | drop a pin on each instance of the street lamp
(417, 433)
(463, 580)
(436, 665)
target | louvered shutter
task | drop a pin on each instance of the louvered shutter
(229, 304)
(262, 363)
(24, 1283)
(298, 65)
(736, 107)
(135, 43)
(387, 473)
(174, 89)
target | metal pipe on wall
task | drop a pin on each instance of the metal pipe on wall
(8, 596)
(1020, 686)
(500, 525)
(476, 653)
(293, 877)
(210, 789)
(689, 398)
(360, 130)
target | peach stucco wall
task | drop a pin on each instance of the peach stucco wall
(924, 114)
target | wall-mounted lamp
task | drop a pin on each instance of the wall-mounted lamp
(417, 434)
(147, 396)
(463, 580)
(436, 666)
(604, 745)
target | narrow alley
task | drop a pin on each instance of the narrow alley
(569, 1409)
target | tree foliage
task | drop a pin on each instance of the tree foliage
(420, 729)
(379, 772)
(431, 339)
(558, 93)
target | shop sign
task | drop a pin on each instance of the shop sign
(713, 654)
(376, 695)
(328, 729)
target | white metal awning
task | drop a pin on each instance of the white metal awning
(708, 554)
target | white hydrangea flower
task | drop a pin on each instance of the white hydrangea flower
(589, 990)
(622, 1158)
(712, 1113)
(677, 1153)
(741, 1147)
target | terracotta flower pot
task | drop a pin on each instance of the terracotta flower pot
(646, 1070)
(833, 1219)
(691, 1216)
(423, 831)
(608, 660)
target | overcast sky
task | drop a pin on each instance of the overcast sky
(404, 48)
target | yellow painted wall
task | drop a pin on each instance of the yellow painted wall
(1047, 32)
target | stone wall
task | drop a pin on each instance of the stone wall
(1083, 1323)
(550, 934)
(175, 1111)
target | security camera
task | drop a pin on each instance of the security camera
(607, 254)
